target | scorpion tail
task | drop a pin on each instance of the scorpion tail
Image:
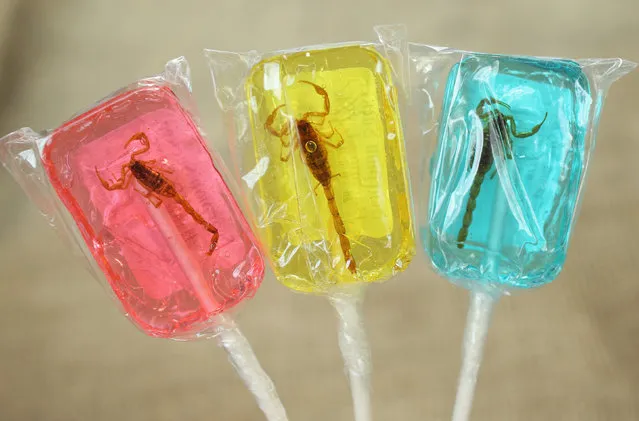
(470, 208)
(214, 239)
(198, 218)
(340, 228)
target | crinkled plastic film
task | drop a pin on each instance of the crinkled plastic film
(149, 242)
(301, 183)
(506, 142)
(317, 146)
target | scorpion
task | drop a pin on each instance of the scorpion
(158, 185)
(315, 156)
(497, 124)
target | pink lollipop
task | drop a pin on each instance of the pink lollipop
(136, 177)
(156, 217)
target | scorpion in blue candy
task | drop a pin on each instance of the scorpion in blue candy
(495, 125)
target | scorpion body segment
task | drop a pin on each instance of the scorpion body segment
(151, 179)
(499, 126)
(157, 185)
(315, 156)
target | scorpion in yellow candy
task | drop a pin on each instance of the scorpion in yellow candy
(495, 125)
(315, 156)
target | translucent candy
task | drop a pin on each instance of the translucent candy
(363, 139)
(152, 249)
(525, 189)
(512, 139)
(318, 148)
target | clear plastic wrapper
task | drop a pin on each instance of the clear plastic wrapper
(506, 145)
(132, 183)
(317, 145)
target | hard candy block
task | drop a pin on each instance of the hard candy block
(153, 250)
(346, 94)
(506, 176)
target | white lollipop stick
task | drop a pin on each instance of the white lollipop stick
(477, 324)
(355, 351)
(228, 335)
(479, 314)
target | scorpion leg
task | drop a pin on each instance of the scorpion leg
(149, 194)
(327, 103)
(286, 145)
(158, 200)
(326, 137)
(521, 135)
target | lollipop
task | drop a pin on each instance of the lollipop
(513, 144)
(140, 190)
(320, 155)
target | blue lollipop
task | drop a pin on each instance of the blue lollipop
(507, 171)
(514, 137)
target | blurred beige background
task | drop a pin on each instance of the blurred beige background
(568, 351)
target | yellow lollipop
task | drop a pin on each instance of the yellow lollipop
(319, 151)
(333, 206)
